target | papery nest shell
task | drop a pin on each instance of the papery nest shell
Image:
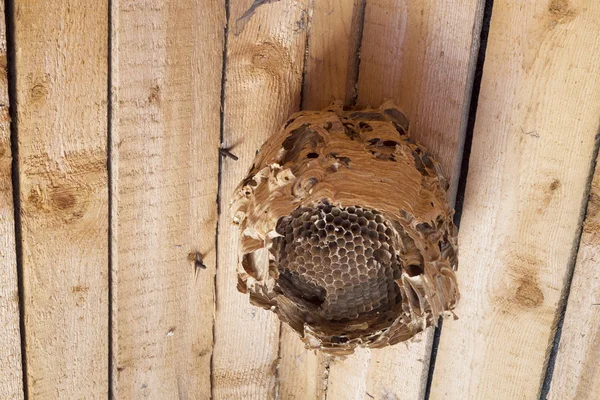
(398, 274)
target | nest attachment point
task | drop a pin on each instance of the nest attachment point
(345, 230)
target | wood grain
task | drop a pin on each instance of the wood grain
(11, 380)
(532, 147)
(263, 84)
(330, 74)
(348, 378)
(422, 55)
(577, 373)
(331, 68)
(303, 374)
(61, 91)
(167, 62)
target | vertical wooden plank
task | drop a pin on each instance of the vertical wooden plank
(422, 55)
(577, 373)
(11, 381)
(167, 62)
(263, 83)
(348, 378)
(303, 373)
(61, 84)
(331, 68)
(533, 144)
(331, 71)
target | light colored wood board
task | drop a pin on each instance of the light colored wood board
(532, 147)
(263, 84)
(421, 55)
(577, 371)
(303, 373)
(348, 377)
(397, 372)
(11, 382)
(166, 132)
(331, 66)
(393, 375)
(330, 75)
(61, 91)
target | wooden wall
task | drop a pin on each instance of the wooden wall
(117, 255)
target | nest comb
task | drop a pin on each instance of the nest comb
(345, 230)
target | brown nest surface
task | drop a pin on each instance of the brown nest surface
(345, 230)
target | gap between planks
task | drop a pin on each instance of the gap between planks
(111, 190)
(15, 384)
(219, 184)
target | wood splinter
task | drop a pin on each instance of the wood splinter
(345, 230)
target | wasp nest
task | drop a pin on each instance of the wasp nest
(346, 233)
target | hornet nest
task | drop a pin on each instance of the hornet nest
(346, 233)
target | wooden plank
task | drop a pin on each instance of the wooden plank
(422, 55)
(532, 148)
(167, 62)
(330, 74)
(11, 383)
(348, 378)
(264, 78)
(577, 374)
(61, 91)
(331, 68)
(303, 374)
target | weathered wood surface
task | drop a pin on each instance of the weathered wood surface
(11, 378)
(533, 144)
(262, 88)
(61, 93)
(330, 75)
(166, 59)
(177, 318)
(331, 70)
(406, 56)
(422, 54)
(577, 371)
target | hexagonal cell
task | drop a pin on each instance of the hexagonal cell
(337, 249)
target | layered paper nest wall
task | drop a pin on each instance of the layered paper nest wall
(345, 230)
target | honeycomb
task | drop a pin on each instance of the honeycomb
(341, 260)
(345, 230)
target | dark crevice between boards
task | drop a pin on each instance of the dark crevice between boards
(326, 378)
(464, 168)
(358, 19)
(219, 184)
(110, 177)
(562, 307)
(305, 60)
(9, 19)
(276, 387)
